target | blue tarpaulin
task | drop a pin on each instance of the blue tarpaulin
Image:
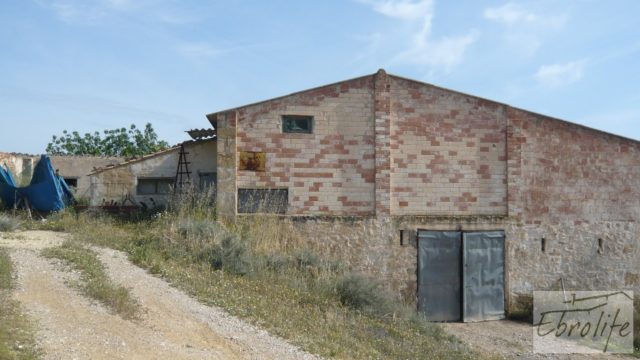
(46, 192)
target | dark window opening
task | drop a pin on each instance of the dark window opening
(154, 186)
(543, 244)
(297, 124)
(72, 182)
(207, 179)
(251, 201)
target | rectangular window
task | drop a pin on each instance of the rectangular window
(252, 201)
(297, 124)
(207, 179)
(72, 182)
(160, 186)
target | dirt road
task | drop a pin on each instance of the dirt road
(172, 326)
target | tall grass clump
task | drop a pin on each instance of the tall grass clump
(366, 294)
(193, 202)
(8, 223)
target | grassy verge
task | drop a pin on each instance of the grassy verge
(16, 332)
(313, 302)
(94, 282)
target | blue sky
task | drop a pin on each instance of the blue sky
(90, 65)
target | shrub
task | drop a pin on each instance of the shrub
(199, 229)
(362, 293)
(230, 255)
(8, 223)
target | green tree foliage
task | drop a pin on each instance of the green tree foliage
(117, 142)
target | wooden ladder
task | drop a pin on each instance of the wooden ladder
(183, 175)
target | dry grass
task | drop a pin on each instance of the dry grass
(16, 332)
(8, 223)
(94, 282)
(258, 271)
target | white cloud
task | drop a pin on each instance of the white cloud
(403, 9)
(556, 75)
(446, 52)
(422, 49)
(524, 30)
(509, 14)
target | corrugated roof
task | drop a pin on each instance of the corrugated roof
(199, 134)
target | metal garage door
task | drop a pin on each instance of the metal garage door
(483, 276)
(439, 256)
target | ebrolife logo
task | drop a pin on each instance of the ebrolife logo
(583, 322)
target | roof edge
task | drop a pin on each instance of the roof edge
(548, 117)
(212, 115)
(150, 156)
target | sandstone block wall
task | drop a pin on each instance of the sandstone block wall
(448, 152)
(330, 171)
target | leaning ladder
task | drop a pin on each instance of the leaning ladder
(183, 175)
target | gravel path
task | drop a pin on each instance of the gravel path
(173, 325)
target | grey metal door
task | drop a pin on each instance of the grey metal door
(483, 276)
(439, 258)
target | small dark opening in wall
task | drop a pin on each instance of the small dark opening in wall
(600, 246)
(543, 244)
(402, 240)
(72, 182)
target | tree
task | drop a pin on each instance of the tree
(116, 142)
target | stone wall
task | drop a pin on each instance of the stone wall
(371, 245)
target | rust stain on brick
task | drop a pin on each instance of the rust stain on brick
(252, 161)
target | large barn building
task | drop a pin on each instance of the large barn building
(462, 204)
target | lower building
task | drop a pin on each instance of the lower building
(147, 181)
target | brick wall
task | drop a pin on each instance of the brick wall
(331, 171)
(448, 152)
(565, 172)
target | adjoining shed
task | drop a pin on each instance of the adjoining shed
(412, 183)
(148, 180)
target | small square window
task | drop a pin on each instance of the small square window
(297, 124)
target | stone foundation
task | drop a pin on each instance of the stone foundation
(572, 252)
